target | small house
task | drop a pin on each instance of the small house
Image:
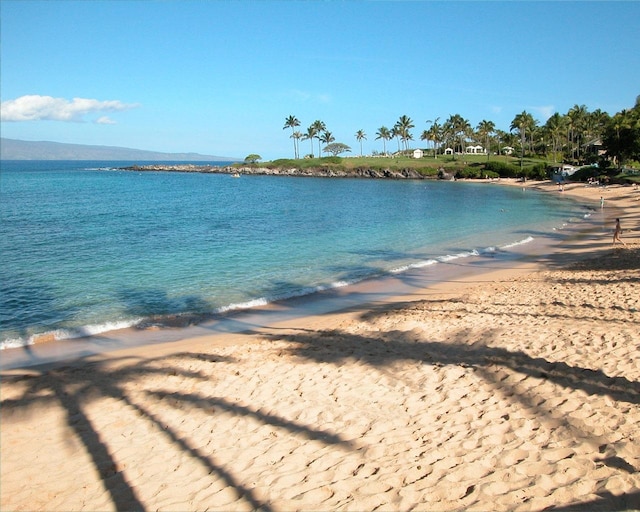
(418, 153)
(594, 147)
(474, 150)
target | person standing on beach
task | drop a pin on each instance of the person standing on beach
(617, 232)
(601, 202)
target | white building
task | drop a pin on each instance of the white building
(475, 150)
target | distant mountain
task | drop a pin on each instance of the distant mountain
(11, 149)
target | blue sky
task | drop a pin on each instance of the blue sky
(220, 77)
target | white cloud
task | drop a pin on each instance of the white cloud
(35, 108)
(304, 96)
(298, 95)
(105, 120)
(544, 111)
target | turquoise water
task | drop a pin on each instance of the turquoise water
(86, 248)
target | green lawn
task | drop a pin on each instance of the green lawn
(460, 164)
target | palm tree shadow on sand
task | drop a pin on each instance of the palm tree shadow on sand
(73, 388)
(491, 362)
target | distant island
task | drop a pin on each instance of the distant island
(12, 149)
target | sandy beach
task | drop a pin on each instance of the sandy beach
(515, 390)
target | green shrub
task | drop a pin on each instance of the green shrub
(585, 173)
(469, 173)
(536, 172)
(503, 169)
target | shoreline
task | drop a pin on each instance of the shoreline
(512, 389)
(50, 350)
(97, 330)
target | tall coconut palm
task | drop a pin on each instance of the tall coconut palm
(385, 134)
(485, 129)
(360, 135)
(395, 133)
(402, 126)
(595, 123)
(428, 134)
(622, 136)
(296, 136)
(319, 127)
(310, 135)
(425, 135)
(522, 122)
(555, 128)
(292, 122)
(576, 125)
(457, 127)
(465, 132)
(436, 133)
(327, 138)
(406, 137)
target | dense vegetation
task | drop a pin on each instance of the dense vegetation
(529, 150)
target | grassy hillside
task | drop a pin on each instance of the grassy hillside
(462, 166)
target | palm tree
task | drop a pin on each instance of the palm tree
(501, 136)
(576, 124)
(395, 133)
(622, 135)
(595, 123)
(485, 129)
(292, 122)
(319, 127)
(554, 128)
(406, 137)
(436, 133)
(361, 135)
(402, 127)
(536, 139)
(385, 134)
(296, 141)
(327, 138)
(465, 131)
(457, 128)
(310, 135)
(522, 122)
(426, 135)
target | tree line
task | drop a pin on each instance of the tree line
(567, 137)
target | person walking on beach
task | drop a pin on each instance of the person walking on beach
(617, 232)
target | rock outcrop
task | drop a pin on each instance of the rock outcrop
(322, 172)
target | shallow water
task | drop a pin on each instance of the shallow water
(87, 248)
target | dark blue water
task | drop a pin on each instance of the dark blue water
(85, 247)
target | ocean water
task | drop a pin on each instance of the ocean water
(86, 248)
